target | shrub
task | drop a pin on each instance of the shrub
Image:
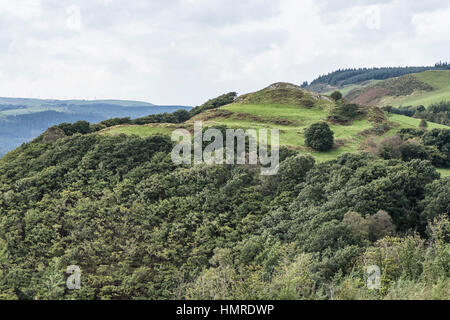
(336, 95)
(413, 150)
(438, 113)
(423, 124)
(405, 289)
(81, 126)
(349, 110)
(437, 200)
(390, 148)
(319, 136)
(388, 109)
(293, 170)
(439, 138)
(378, 129)
(215, 103)
(380, 225)
(115, 121)
(409, 133)
(344, 112)
(372, 227)
(357, 225)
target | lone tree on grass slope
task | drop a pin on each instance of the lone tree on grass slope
(336, 95)
(319, 137)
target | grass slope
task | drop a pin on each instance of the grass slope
(422, 88)
(281, 106)
(439, 80)
(296, 119)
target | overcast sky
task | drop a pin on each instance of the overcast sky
(186, 51)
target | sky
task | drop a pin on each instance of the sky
(186, 51)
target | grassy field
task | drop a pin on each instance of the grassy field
(281, 106)
(294, 121)
(444, 172)
(292, 135)
(408, 122)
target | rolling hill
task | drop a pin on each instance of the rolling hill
(112, 202)
(343, 79)
(291, 109)
(139, 226)
(422, 88)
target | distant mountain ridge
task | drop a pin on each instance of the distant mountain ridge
(41, 102)
(23, 119)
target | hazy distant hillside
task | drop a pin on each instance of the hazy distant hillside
(52, 102)
(22, 120)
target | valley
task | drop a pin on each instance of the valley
(22, 120)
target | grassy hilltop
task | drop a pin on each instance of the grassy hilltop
(291, 109)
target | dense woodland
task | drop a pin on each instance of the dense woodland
(141, 227)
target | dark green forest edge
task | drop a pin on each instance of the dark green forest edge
(437, 112)
(142, 228)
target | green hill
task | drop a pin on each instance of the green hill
(423, 88)
(291, 109)
(140, 227)
(346, 78)
(111, 201)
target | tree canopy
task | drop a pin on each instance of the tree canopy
(140, 227)
(319, 136)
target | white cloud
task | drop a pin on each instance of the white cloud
(21, 9)
(433, 25)
(186, 51)
(74, 18)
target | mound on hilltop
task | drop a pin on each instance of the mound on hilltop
(282, 93)
(290, 109)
